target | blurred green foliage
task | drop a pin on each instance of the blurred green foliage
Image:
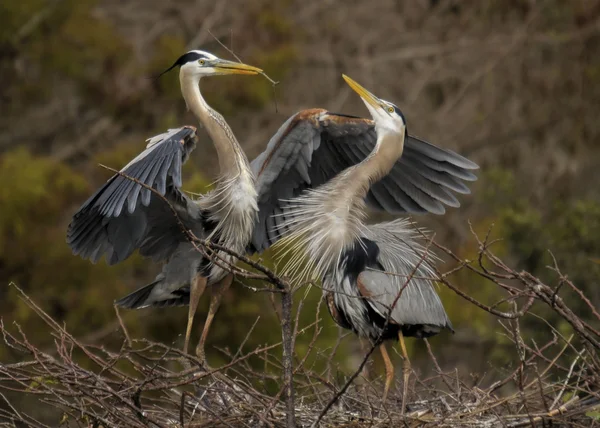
(33, 252)
(58, 40)
(526, 232)
(568, 228)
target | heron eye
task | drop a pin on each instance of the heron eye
(391, 109)
(201, 62)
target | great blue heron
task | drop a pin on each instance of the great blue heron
(122, 216)
(375, 277)
(310, 148)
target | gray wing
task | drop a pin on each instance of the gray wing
(123, 216)
(399, 255)
(172, 286)
(315, 145)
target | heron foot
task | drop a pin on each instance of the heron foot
(200, 354)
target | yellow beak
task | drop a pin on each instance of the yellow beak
(364, 94)
(230, 67)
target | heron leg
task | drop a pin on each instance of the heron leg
(217, 292)
(365, 346)
(197, 288)
(405, 370)
(389, 371)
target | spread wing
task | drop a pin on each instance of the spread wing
(315, 145)
(123, 216)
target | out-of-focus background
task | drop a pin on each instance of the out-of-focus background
(513, 85)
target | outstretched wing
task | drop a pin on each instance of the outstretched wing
(123, 216)
(315, 145)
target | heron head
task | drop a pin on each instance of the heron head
(387, 116)
(198, 64)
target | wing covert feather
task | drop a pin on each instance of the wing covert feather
(315, 145)
(123, 216)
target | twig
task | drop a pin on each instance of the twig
(122, 324)
(288, 356)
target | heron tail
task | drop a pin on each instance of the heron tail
(150, 296)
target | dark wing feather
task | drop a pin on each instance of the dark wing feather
(123, 216)
(313, 146)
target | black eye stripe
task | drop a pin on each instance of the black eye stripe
(184, 59)
(399, 113)
(189, 57)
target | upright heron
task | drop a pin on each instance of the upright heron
(375, 277)
(122, 216)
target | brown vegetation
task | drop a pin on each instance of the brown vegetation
(514, 85)
(144, 383)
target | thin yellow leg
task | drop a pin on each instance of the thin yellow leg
(405, 370)
(215, 300)
(389, 371)
(197, 288)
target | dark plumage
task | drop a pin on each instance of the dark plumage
(123, 216)
(357, 267)
(313, 146)
(314, 181)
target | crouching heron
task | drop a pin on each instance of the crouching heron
(375, 277)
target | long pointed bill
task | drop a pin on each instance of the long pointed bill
(364, 94)
(230, 67)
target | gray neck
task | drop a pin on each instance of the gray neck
(232, 159)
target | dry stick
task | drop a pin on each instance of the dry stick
(497, 385)
(507, 399)
(225, 366)
(328, 368)
(288, 355)
(53, 324)
(122, 326)
(437, 366)
(269, 275)
(265, 75)
(273, 82)
(16, 412)
(239, 351)
(541, 290)
(313, 340)
(539, 418)
(195, 241)
(582, 296)
(286, 301)
(557, 399)
(520, 373)
(546, 295)
(69, 392)
(344, 388)
(442, 278)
